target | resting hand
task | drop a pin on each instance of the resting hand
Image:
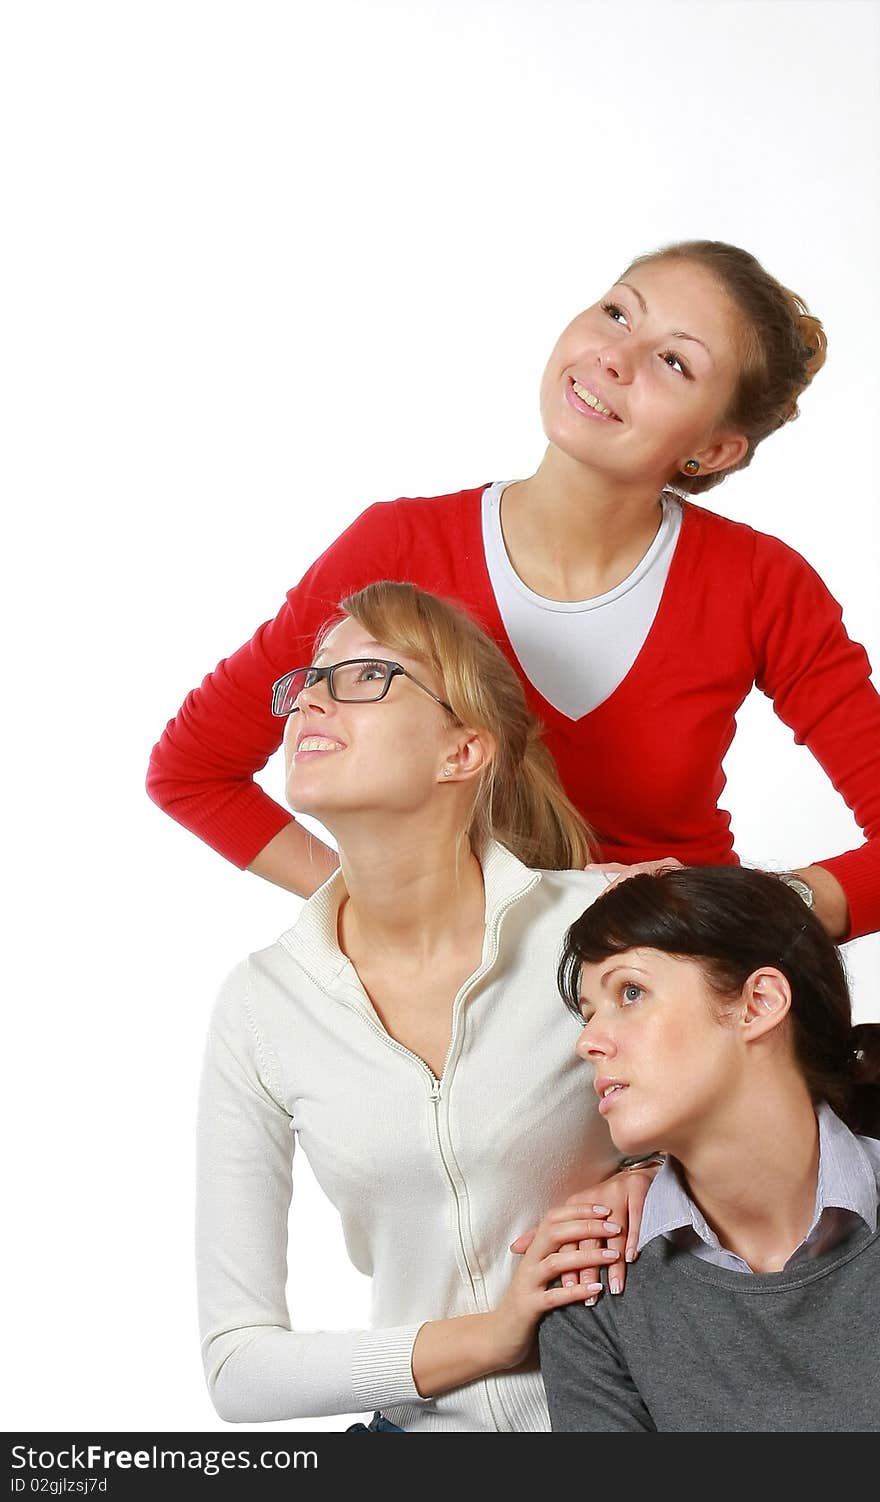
(568, 1243)
(622, 873)
(616, 1206)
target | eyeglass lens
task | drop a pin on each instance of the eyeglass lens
(351, 682)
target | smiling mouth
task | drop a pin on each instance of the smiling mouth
(591, 400)
(317, 743)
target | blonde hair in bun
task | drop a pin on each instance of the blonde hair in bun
(782, 344)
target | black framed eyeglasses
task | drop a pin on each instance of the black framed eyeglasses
(358, 680)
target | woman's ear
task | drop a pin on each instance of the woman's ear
(467, 757)
(726, 449)
(766, 1002)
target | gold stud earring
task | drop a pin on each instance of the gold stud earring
(692, 466)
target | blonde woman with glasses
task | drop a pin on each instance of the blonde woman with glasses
(406, 1034)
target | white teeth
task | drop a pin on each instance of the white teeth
(610, 1089)
(591, 399)
(317, 743)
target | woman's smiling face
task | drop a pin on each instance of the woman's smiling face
(389, 755)
(640, 382)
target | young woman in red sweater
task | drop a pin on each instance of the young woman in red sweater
(638, 620)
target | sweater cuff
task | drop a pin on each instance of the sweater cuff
(858, 874)
(381, 1372)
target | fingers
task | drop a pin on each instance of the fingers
(552, 1234)
(613, 1231)
(523, 1242)
(650, 868)
(570, 1279)
(574, 1294)
(617, 1271)
(571, 1260)
(573, 1250)
(638, 1191)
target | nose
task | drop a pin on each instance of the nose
(615, 361)
(315, 697)
(595, 1042)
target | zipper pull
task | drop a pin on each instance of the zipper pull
(435, 1089)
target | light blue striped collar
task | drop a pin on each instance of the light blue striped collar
(848, 1180)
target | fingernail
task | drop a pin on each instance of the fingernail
(614, 1285)
(631, 1254)
(594, 1288)
(609, 1254)
(611, 1225)
(601, 1209)
(588, 1302)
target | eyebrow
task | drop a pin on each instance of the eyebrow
(584, 1001)
(323, 653)
(677, 333)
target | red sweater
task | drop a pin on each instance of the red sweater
(739, 608)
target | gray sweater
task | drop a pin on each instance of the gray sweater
(693, 1348)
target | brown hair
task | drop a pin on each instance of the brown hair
(783, 345)
(519, 800)
(732, 922)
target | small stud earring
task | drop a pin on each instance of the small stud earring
(447, 771)
(692, 466)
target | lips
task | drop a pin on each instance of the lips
(592, 403)
(608, 1091)
(310, 743)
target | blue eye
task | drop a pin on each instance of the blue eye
(631, 993)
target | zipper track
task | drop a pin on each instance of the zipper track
(436, 1094)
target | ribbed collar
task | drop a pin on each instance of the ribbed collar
(313, 940)
(846, 1181)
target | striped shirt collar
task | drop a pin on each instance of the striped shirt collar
(848, 1186)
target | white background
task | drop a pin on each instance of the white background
(265, 264)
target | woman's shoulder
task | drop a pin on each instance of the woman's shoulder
(440, 506)
(723, 534)
(574, 890)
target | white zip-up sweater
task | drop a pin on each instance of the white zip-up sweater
(432, 1178)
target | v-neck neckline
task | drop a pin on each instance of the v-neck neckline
(653, 645)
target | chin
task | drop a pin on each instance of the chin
(636, 1139)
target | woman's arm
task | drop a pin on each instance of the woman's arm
(588, 1383)
(447, 1353)
(202, 768)
(829, 901)
(820, 684)
(296, 860)
(258, 1369)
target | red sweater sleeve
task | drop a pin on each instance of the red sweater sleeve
(820, 684)
(202, 769)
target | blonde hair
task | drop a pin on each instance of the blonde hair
(519, 799)
(782, 344)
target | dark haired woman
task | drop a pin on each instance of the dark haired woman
(717, 1019)
(638, 620)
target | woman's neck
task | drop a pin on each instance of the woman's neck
(754, 1173)
(411, 896)
(572, 533)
